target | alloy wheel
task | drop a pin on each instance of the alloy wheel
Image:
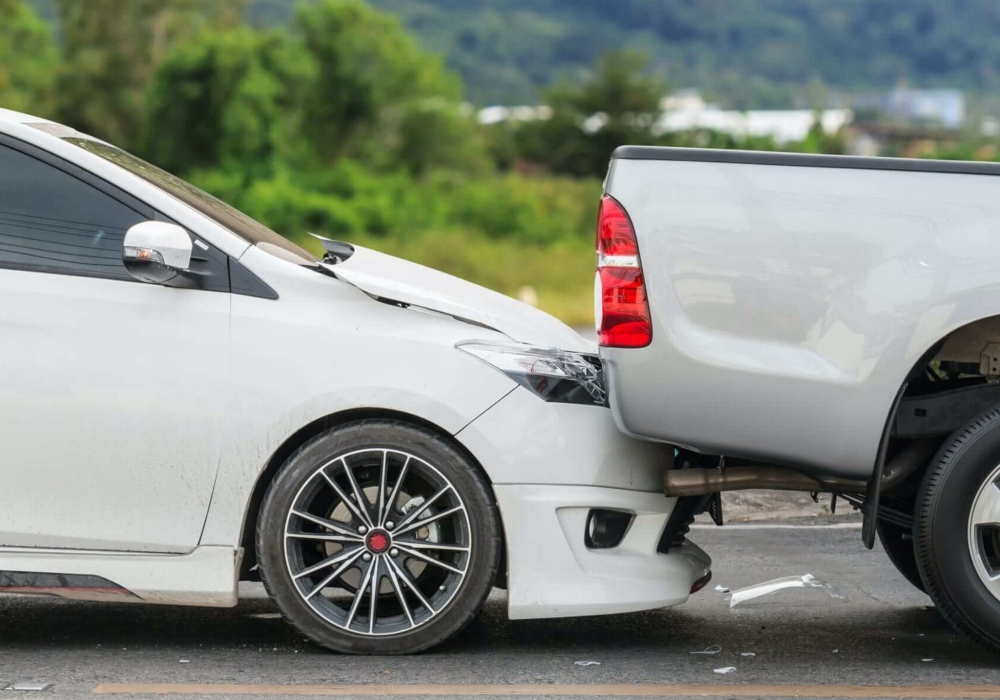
(377, 542)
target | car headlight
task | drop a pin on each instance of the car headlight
(552, 374)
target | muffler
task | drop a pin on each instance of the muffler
(701, 481)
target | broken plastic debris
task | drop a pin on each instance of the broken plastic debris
(926, 660)
(779, 584)
(722, 589)
(726, 669)
(29, 687)
(710, 651)
(185, 661)
(748, 653)
(587, 663)
(266, 616)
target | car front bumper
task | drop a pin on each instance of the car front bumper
(552, 572)
(550, 465)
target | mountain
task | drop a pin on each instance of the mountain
(747, 53)
(743, 53)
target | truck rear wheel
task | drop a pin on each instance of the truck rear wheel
(957, 529)
(898, 544)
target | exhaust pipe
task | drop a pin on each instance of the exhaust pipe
(700, 482)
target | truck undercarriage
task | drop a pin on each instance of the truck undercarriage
(959, 382)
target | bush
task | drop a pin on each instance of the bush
(347, 199)
(503, 232)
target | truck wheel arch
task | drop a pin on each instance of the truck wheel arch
(961, 347)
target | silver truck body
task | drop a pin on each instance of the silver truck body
(792, 295)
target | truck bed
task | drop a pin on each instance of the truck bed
(792, 294)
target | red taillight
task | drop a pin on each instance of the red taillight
(621, 309)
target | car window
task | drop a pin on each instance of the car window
(248, 229)
(53, 222)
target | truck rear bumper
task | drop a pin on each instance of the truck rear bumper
(553, 573)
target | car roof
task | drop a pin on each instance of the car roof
(9, 115)
(15, 123)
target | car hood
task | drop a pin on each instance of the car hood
(398, 280)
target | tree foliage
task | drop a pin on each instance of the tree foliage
(111, 50)
(749, 53)
(618, 103)
(227, 99)
(27, 58)
(344, 82)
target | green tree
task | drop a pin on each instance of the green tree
(346, 83)
(818, 141)
(227, 99)
(377, 95)
(111, 50)
(618, 103)
(439, 135)
(27, 59)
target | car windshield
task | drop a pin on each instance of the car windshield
(248, 229)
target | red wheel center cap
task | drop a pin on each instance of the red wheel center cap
(378, 541)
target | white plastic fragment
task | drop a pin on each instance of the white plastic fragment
(722, 589)
(926, 660)
(748, 653)
(779, 584)
(726, 669)
(29, 687)
(587, 663)
(710, 651)
(185, 661)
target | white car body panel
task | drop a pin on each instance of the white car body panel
(400, 280)
(522, 440)
(184, 398)
(553, 574)
(206, 577)
(132, 365)
(354, 361)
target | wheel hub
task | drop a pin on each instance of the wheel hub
(390, 531)
(378, 541)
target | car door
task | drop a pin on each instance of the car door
(112, 391)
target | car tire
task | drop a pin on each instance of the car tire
(431, 541)
(957, 529)
(898, 544)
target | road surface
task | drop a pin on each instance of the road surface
(885, 634)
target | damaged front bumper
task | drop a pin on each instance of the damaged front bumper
(552, 466)
(553, 573)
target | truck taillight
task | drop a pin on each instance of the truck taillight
(621, 310)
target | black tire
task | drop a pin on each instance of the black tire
(898, 544)
(941, 532)
(434, 602)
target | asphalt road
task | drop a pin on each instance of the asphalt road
(884, 634)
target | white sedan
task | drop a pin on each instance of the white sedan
(188, 400)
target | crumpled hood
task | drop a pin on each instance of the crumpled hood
(399, 280)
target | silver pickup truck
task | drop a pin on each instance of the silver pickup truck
(822, 324)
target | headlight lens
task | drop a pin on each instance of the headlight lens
(552, 374)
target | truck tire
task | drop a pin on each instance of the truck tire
(898, 544)
(957, 529)
(379, 537)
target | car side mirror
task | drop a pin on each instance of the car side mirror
(156, 251)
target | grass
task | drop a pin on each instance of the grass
(561, 274)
